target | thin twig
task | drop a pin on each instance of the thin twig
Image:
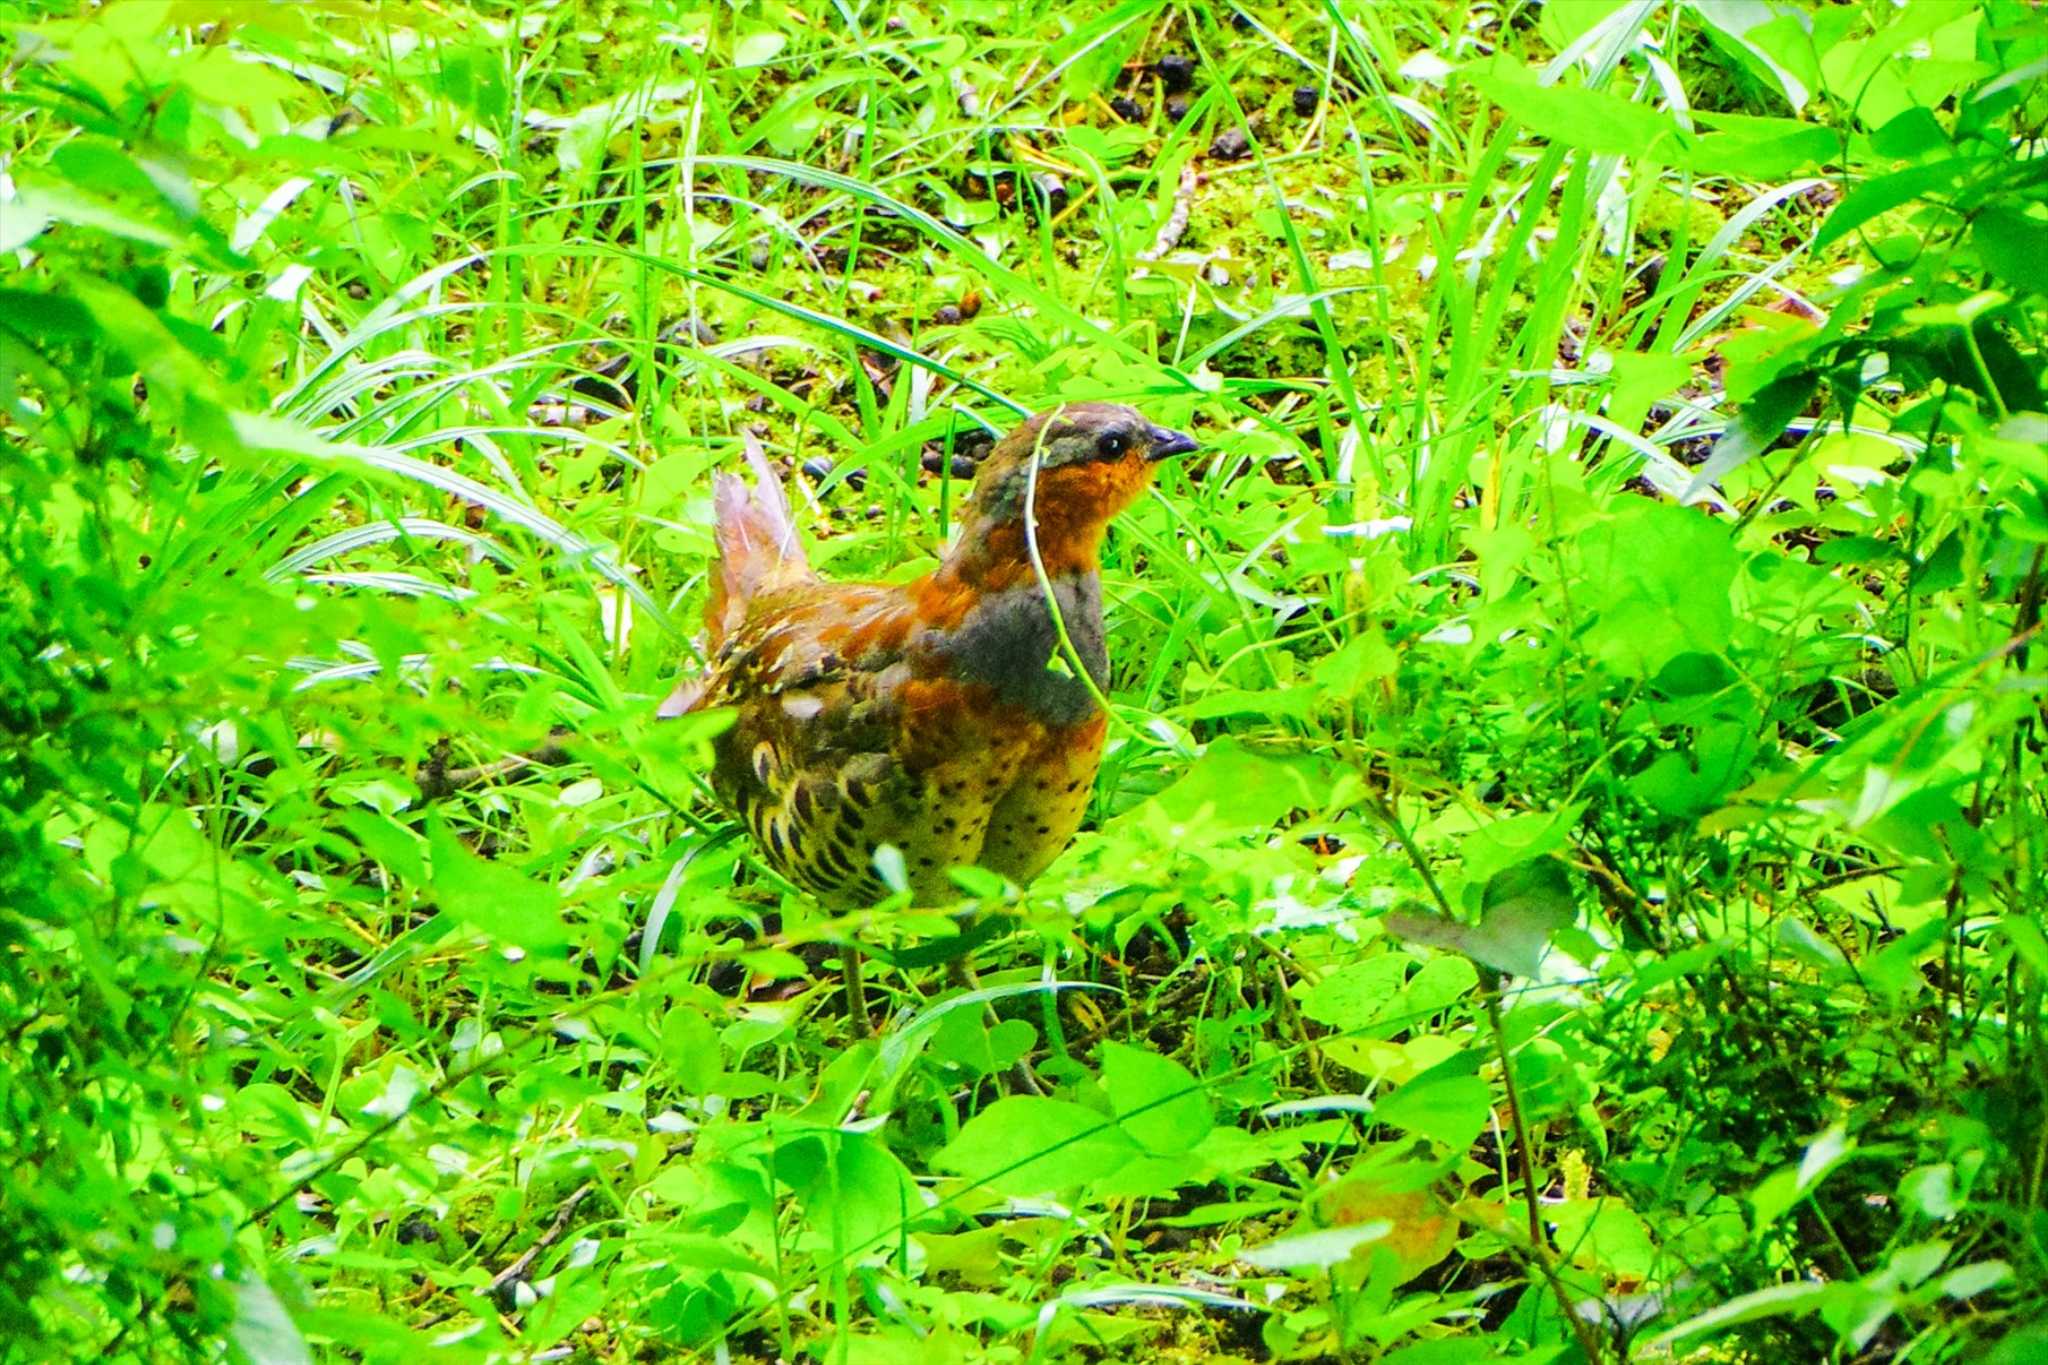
(518, 1268)
(1176, 224)
(437, 780)
(1539, 1245)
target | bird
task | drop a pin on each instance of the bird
(957, 717)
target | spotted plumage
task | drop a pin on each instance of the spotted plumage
(941, 716)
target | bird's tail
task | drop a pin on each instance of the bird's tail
(757, 544)
(757, 550)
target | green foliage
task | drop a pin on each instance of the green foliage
(1567, 878)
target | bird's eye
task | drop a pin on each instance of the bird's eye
(1112, 444)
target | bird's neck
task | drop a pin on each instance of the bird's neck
(992, 553)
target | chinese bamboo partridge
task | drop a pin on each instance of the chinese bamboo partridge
(941, 716)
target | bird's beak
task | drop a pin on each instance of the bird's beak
(1166, 444)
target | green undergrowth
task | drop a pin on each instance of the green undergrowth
(1566, 878)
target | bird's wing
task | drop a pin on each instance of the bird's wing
(815, 676)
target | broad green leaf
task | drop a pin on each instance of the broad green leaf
(1499, 846)
(1025, 1145)
(759, 47)
(1886, 193)
(1607, 1236)
(1687, 782)
(1776, 1193)
(1659, 580)
(1452, 1110)
(1761, 421)
(1586, 119)
(1761, 148)
(173, 370)
(1913, 133)
(1296, 702)
(1930, 1191)
(2026, 1346)
(40, 205)
(1237, 787)
(1511, 937)
(1775, 41)
(1352, 997)
(1316, 1250)
(965, 1039)
(1795, 1299)
(263, 1332)
(856, 1193)
(1640, 379)
(493, 896)
(2029, 944)
(235, 81)
(1346, 672)
(2013, 244)
(689, 1044)
(1979, 1277)
(391, 843)
(1157, 1101)
(1441, 983)
(52, 317)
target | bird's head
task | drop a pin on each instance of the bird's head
(1088, 461)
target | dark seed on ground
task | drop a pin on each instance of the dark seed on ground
(962, 467)
(1176, 107)
(1230, 144)
(947, 316)
(1176, 72)
(818, 467)
(1306, 98)
(1127, 109)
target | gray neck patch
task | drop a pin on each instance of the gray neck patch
(1008, 641)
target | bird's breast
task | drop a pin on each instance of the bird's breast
(1009, 641)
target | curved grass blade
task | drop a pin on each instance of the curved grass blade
(259, 433)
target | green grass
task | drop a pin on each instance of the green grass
(1547, 896)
